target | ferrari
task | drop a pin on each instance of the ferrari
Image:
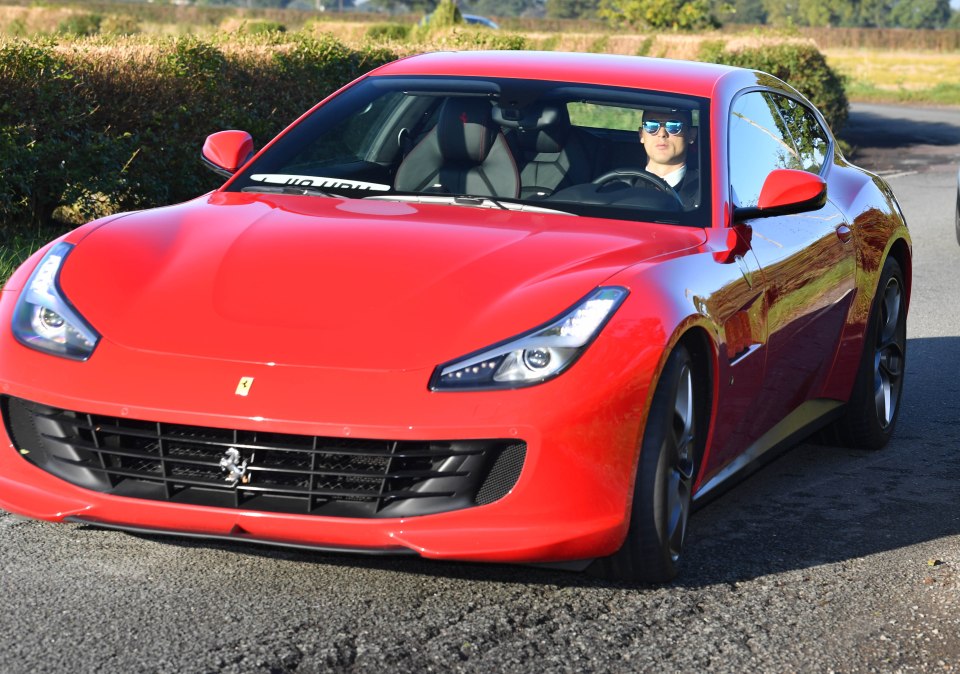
(508, 307)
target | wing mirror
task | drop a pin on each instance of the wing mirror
(226, 151)
(784, 192)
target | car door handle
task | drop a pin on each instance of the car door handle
(844, 233)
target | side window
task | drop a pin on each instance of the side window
(810, 139)
(758, 145)
(604, 116)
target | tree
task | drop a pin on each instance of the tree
(921, 13)
(870, 14)
(781, 12)
(817, 12)
(740, 11)
(659, 14)
(571, 9)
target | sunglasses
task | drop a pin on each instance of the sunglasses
(673, 126)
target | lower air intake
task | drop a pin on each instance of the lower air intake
(252, 470)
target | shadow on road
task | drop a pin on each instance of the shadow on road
(865, 129)
(894, 138)
(819, 505)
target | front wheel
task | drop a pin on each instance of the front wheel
(871, 414)
(669, 453)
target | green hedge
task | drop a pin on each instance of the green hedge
(92, 127)
(103, 126)
(802, 66)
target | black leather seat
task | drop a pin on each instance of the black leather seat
(552, 154)
(464, 153)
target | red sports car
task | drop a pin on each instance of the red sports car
(489, 306)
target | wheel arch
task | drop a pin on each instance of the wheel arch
(704, 355)
(900, 251)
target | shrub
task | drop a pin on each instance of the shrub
(98, 127)
(261, 26)
(800, 65)
(396, 32)
(446, 15)
(119, 24)
(477, 38)
(80, 25)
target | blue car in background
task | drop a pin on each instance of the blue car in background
(472, 19)
(480, 21)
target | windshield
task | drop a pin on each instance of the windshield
(499, 143)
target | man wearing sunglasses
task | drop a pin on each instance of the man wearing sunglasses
(666, 137)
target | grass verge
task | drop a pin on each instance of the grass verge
(17, 249)
(915, 77)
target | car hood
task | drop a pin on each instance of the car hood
(360, 284)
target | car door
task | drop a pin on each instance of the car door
(808, 259)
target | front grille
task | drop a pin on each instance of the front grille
(252, 470)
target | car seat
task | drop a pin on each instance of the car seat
(464, 153)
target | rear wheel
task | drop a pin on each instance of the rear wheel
(669, 454)
(871, 414)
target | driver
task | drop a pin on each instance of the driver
(666, 136)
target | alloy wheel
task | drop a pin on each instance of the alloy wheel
(681, 454)
(888, 354)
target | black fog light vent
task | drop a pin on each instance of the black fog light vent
(504, 474)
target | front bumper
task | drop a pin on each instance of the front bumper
(570, 502)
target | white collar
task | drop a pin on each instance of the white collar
(675, 176)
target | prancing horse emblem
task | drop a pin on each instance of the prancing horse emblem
(243, 388)
(235, 469)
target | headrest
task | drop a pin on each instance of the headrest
(465, 129)
(544, 127)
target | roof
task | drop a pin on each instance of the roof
(658, 74)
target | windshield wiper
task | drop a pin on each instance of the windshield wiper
(302, 190)
(470, 201)
(473, 200)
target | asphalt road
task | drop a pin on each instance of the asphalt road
(824, 560)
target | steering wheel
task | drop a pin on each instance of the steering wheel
(630, 176)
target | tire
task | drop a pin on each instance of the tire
(669, 457)
(957, 216)
(871, 414)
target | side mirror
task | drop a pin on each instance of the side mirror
(784, 192)
(226, 151)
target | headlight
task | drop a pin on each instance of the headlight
(535, 356)
(44, 319)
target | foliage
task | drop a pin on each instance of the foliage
(261, 26)
(659, 14)
(89, 127)
(740, 11)
(47, 144)
(396, 32)
(446, 15)
(800, 65)
(921, 13)
(16, 248)
(571, 9)
(79, 25)
(477, 38)
(119, 24)
(867, 13)
(94, 134)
